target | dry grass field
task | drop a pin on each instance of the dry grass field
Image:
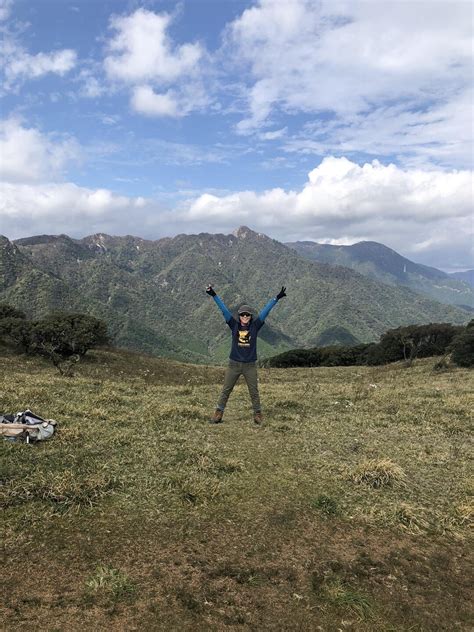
(349, 509)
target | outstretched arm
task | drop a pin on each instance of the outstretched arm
(220, 303)
(271, 304)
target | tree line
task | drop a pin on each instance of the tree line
(63, 338)
(451, 342)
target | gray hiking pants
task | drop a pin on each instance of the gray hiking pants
(232, 374)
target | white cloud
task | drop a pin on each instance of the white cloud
(28, 209)
(33, 201)
(33, 66)
(165, 78)
(55, 200)
(18, 65)
(426, 215)
(344, 201)
(341, 191)
(273, 134)
(91, 86)
(141, 50)
(356, 61)
(5, 8)
(174, 103)
(27, 155)
(441, 135)
(146, 101)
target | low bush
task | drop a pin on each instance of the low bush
(322, 356)
(402, 343)
(414, 341)
(462, 348)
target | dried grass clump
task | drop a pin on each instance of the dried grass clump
(378, 473)
(411, 519)
(465, 514)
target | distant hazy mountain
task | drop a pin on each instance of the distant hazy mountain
(467, 276)
(152, 293)
(379, 262)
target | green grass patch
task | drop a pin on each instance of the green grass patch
(138, 514)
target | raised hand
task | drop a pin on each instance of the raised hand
(210, 291)
(281, 293)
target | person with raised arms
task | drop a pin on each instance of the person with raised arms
(243, 353)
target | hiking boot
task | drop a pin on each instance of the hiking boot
(258, 419)
(217, 417)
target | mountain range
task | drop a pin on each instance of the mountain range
(467, 276)
(379, 262)
(152, 293)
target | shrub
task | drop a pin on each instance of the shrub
(7, 311)
(408, 343)
(344, 356)
(65, 335)
(16, 332)
(296, 357)
(59, 336)
(462, 348)
(323, 356)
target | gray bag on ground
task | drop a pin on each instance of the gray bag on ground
(26, 426)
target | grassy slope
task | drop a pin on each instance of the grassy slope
(139, 515)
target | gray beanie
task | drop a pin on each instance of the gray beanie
(245, 308)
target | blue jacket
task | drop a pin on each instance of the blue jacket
(244, 337)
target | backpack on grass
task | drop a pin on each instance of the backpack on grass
(26, 426)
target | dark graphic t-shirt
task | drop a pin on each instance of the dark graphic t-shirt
(244, 340)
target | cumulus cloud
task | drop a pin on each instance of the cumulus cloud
(164, 77)
(146, 101)
(33, 199)
(173, 103)
(426, 215)
(18, 65)
(353, 62)
(32, 66)
(51, 201)
(27, 155)
(346, 202)
(28, 209)
(340, 191)
(141, 50)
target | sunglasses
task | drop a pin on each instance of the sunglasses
(245, 314)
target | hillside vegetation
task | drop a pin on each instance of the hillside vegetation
(151, 293)
(379, 262)
(349, 509)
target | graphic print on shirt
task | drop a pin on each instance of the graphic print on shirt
(244, 338)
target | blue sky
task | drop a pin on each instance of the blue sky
(331, 121)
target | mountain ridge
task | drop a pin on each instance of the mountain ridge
(152, 292)
(467, 276)
(382, 263)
